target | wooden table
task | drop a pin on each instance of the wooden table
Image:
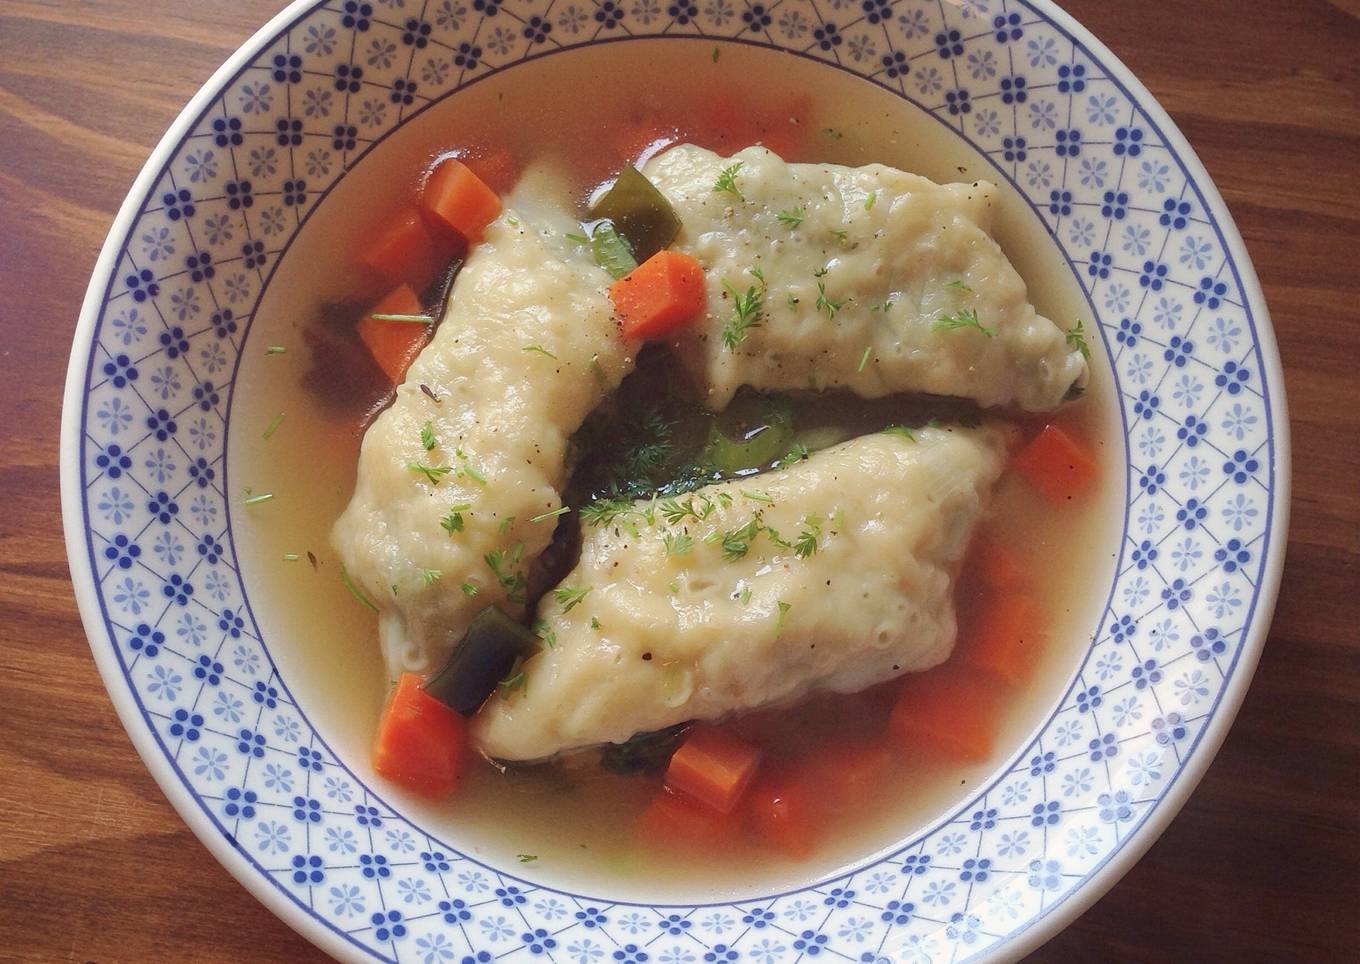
(1263, 863)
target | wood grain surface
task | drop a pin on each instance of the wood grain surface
(1263, 863)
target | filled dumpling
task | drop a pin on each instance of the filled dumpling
(456, 485)
(835, 573)
(867, 278)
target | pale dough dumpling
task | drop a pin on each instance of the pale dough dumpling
(527, 349)
(835, 573)
(854, 269)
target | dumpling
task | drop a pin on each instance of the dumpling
(835, 573)
(527, 349)
(866, 278)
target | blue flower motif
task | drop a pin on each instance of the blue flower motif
(916, 864)
(1014, 149)
(1099, 265)
(249, 743)
(948, 44)
(1146, 405)
(374, 866)
(208, 670)
(957, 101)
(210, 763)
(1045, 874)
(808, 942)
(146, 640)
(1178, 350)
(178, 589)
(455, 911)
(982, 820)
(1146, 674)
(1102, 748)
(539, 941)
(1013, 90)
(1045, 814)
(1069, 143)
(1176, 594)
(1152, 480)
(1210, 293)
(1191, 432)
(388, 926)
(838, 897)
(1128, 141)
(1060, 203)
(227, 132)
(1153, 275)
(976, 870)
(186, 724)
(1232, 378)
(1240, 466)
(1175, 214)
(1006, 28)
(1232, 555)
(1144, 554)
(307, 870)
(240, 803)
(828, 36)
(122, 552)
(1115, 808)
(1039, 764)
(1071, 79)
(273, 837)
(758, 918)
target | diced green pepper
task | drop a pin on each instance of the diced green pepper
(482, 658)
(639, 212)
(611, 251)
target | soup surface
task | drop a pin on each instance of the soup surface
(574, 823)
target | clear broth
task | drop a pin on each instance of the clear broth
(577, 822)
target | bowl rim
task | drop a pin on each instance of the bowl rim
(1012, 946)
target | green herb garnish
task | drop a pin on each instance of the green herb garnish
(964, 319)
(355, 590)
(257, 499)
(747, 310)
(434, 473)
(793, 456)
(737, 542)
(901, 430)
(779, 620)
(677, 543)
(273, 426)
(540, 350)
(290, 557)
(1075, 337)
(453, 522)
(864, 359)
(427, 439)
(530, 858)
(431, 576)
(469, 589)
(275, 350)
(870, 201)
(806, 543)
(503, 567)
(826, 304)
(571, 596)
(958, 285)
(560, 510)
(791, 218)
(727, 181)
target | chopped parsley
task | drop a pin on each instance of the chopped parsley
(434, 473)
(594, 622)
(505, 524)
(453, 522)
(755, 496)
(885, 307)
(544, 633)
(515, 679)
(257, 499)
(530, 858)
(901, 430)
(727, 181)
(431, 576)
(967, 318)
(469, 589)
(793, 456)
(791, 218)
(355, 591)
(747, 310)
(275, 350)
(826, 304)
(677, 543)
(958, 285)
(737, 542)
(779, 620)
(290, 557)
(427, 439)
(745, 596)
(602, 512)
(560, 510)
(870, 201)
(277, 420)
(864, 359)
(504, 566)
(806, 543)
(540, 350)
(840, 235)
(571, 596)
(674, 511)
(1076, 338)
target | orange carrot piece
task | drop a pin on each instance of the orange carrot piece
(459, 199)
(421, 744)
(1057, 464)
(394, 344)
(1007, 639)
(494, 166)
(659, 295)
(782, 812)
(713, 768)
(674, 819)
(948, 711)
(404, 251)
(847, 774)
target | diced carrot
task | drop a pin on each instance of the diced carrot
(848, 774)
(949, 711)
(404, 251)
(659, 295)
(421, 743)
(782, 811)
(674, 819)
(1006, 639)
(1057, 464)
(712, 767)
(996, 565)
(394, 344)
(460, 199)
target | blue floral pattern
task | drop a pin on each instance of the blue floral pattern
(1166, 298)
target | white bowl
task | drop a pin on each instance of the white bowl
(1185, 340)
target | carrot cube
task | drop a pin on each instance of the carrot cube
(949, 711)
(659, 295)
(459, 199)
(421, 743)
(394, 345)
(1057, 464)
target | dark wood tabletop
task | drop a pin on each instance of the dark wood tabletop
(1263, 863)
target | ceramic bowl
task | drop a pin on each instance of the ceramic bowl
(1183, 334)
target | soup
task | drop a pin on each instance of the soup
(840, 776)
